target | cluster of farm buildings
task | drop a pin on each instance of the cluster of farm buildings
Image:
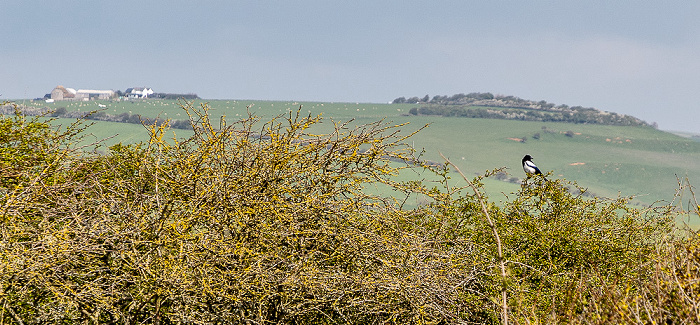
(63, 93)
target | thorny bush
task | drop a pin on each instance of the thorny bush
(267, 222)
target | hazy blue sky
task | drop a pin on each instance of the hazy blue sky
(633, 57)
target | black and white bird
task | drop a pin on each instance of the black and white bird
(530, 168)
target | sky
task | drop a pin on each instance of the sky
(636, 57)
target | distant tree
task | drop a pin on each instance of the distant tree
(59, 112)
(425, 99)
(438, 99)
(481, 96)
(501, 176)
(457, 97)
(123, 118)
(413, 100)
(174, 96)
(413, 111)
(134, 119)
(400, 100)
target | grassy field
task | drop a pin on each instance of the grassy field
(608, 160)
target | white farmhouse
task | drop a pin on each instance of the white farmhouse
(138, 92)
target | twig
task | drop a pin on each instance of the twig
(501, 261)
(12, 313)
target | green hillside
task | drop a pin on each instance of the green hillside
(629, 160)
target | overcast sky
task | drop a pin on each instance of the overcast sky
(633, 57)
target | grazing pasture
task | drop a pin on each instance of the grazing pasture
(607, 160)
(276, 222)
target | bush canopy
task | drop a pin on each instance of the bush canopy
(269, 222)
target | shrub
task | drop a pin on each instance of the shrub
(273, 223)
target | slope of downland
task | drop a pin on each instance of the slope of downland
(229, 229)
(607, 160)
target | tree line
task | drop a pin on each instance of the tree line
(487, 105)
(97, 115)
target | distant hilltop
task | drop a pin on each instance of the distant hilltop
(70, 94)
(487, 105)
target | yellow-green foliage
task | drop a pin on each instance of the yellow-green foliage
(266, 223)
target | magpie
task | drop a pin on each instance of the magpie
(530, 168)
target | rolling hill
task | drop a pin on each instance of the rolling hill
(608, 160)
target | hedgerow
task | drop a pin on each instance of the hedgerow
(269, 222)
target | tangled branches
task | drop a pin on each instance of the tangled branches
(266, 223)
(252, 222)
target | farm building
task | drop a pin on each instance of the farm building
(63, 93)
(88, 94)
(138, 92)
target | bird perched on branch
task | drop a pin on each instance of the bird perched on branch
(530, 168)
